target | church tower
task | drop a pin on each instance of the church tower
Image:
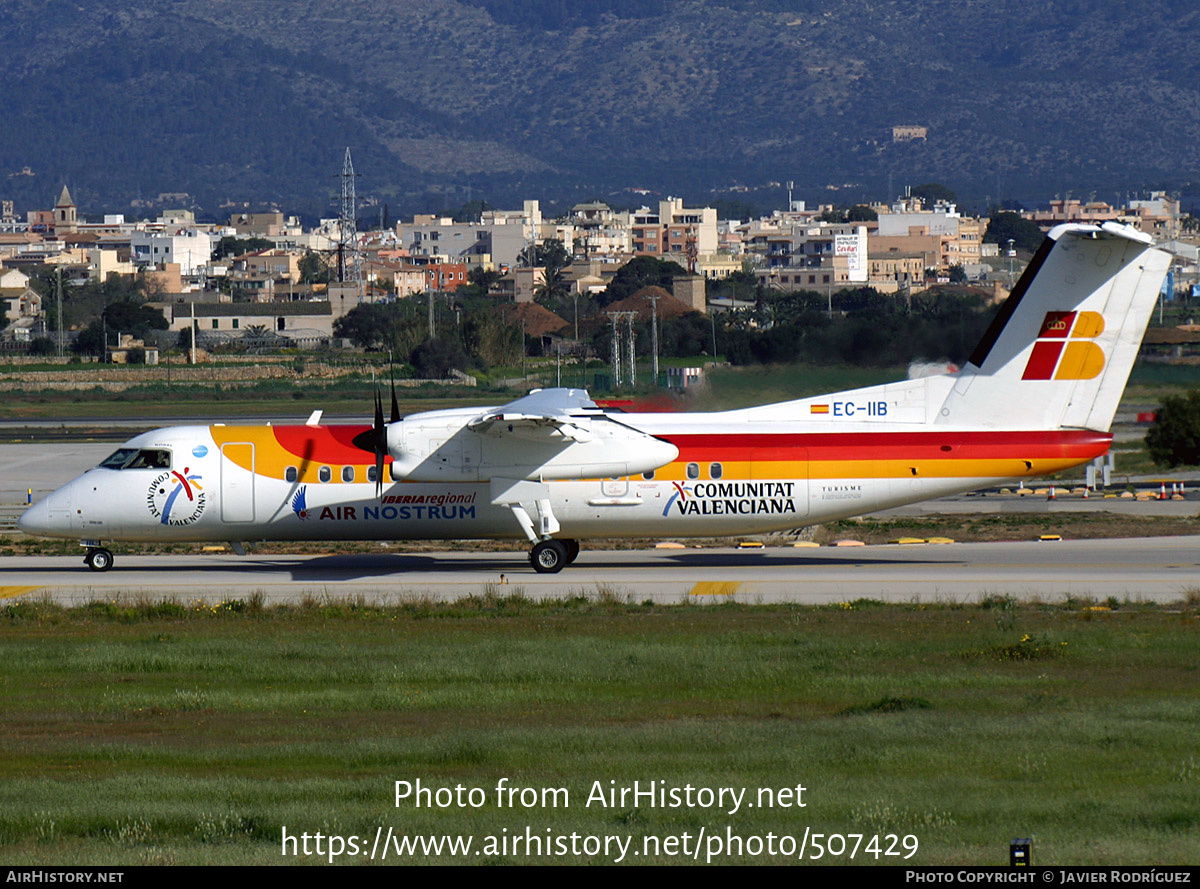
(64, 214)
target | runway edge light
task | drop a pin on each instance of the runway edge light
(1018, 853)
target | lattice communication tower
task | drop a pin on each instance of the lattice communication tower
(349, 258)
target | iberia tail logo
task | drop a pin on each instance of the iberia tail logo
(1064, 349)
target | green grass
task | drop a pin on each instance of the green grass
(162, 732)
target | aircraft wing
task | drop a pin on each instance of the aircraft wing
(544, 414)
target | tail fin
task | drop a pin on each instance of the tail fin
(1060, 350)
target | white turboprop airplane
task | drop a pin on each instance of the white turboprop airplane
(1037, 396)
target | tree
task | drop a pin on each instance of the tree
(857, 213)
(932, 192)
(861, 213)
(393, 326)
(553, 288)
(131, 317)
(1012, 226)
(435, 358)
(1174, 436)
(491, 340)
(639, 272)
(313, 269)
(484, 280)
(551, 255)
(90, 340)
(231, 246)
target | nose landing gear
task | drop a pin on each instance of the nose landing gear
(98, 558)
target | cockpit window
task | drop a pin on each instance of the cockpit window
(133, 458)
(151, 458)
(119, 458)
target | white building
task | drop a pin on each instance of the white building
(190, 248)
(498, 238)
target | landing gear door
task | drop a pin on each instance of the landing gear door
(237, 482)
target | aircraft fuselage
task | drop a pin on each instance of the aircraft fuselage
(214, 483)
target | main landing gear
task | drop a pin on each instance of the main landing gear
(551, 556)
(98, 558)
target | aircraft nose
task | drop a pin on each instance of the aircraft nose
(35, 519)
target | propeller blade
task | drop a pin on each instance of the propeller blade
(380, 444)
(395, 404)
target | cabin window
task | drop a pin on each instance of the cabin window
(715, 470)
(151, 458)
(693, 470)
(324, 474)
(347, 474)
(372, 475)
(290, 474)
(648, 476)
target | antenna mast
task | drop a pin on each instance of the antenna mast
(349, 259)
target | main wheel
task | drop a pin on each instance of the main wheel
(548, 557)
(572, 550)
(98, 559)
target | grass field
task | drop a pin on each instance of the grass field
(169, 733)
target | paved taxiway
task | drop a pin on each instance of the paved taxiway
(1161, 569)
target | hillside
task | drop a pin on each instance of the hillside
(445, 101)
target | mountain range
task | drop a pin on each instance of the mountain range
(251, 104)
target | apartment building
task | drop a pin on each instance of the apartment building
(190, 248)
(822, 257)
(672, 229)
(496, 240)
(942, 235)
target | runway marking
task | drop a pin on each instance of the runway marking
(11, 592)
(716, 588)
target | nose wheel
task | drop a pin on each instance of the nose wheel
(551, 556)
(98, 559)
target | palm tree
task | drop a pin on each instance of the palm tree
(554, 286)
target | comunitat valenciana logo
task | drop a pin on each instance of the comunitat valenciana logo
(1064, 349)
(176, 498)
